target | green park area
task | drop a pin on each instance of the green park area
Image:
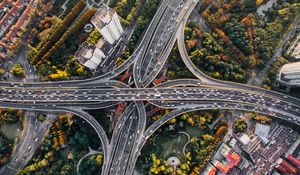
(168, 146)
(186, 137)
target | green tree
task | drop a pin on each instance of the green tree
(240, 125)
(17, 70)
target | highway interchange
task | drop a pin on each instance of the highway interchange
(130, 134)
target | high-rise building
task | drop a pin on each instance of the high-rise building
(289, 74)
(107, 22)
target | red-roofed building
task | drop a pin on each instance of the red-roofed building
(294, 160)
(212, 171)
(209, 170)
(283, 170)
(14, 18)
(224, 168)
(234, 159)
(288, 167)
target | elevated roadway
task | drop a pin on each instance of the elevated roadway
(181, 95)
(120, 154)
(154, 56)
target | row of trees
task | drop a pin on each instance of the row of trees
(71, 30)
(51, 55)
(259, 117)
(36, 54)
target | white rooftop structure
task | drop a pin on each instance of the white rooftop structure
(262, 131)
(232, 142)
(89, 56)
(244, 139)
(289, 74)
(107, 22)
(173, 161)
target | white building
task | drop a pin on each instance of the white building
(262, 131)
(90, 56)
(289, 74)
(107, 22)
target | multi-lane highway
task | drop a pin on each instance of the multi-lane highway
(154, 56)
(121, 152)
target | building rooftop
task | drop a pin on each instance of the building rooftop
(104, 46)
(103, 16)
(89, 55)
(228, 160)
(262, 131)
(209, 170)
(291, 67)
(264, 156)
(232, 142)
(244, 139)
(84, 53)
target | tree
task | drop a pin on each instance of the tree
(10, 115)
(2, 71)
(66, 169)
(41, 117)
(207, 139)
(17, 70)
(240, 125)
(59, 75)
(221, 131)
(94, 37)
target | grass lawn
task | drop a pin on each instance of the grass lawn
(171, 146)
(166, 146)
(193, 131)
(11, 130)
